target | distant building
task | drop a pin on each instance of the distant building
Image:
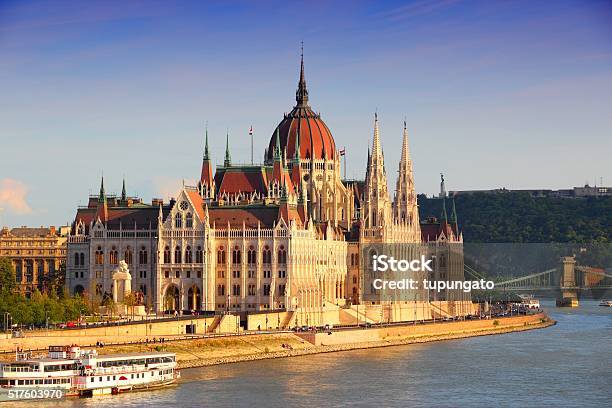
(576, 192)
(34, 252)
(444, 242)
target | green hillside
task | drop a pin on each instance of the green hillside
(517, 217)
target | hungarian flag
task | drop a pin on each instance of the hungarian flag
(251, 131)
(343, 151)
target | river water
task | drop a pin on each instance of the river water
(569, 364)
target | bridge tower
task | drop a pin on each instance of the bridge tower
(568, 297)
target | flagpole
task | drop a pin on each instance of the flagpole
(344, 150)
(251, 132)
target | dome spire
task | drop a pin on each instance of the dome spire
(301, 95)
(228, 158)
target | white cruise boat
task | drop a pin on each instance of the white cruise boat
(76, 372)
(606, 303)
(529, 302)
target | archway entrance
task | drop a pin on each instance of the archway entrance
(194, 300)
(172, 298)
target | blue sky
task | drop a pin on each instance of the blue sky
(514, 94)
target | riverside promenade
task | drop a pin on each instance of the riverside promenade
(213, 349)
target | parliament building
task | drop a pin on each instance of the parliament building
(284, 235)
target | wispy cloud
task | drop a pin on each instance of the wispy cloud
(13, 196)
(415, 9)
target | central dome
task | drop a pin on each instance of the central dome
(315, 141)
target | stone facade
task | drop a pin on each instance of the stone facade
(282, 235)
(34, 252)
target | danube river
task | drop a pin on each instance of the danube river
(565, 365)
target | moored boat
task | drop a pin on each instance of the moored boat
(72, 371)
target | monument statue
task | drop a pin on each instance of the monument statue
(122, 282)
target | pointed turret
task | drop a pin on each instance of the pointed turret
(296, 156)
(102, 210)
(296, 169)
(102, 194)
(278, 167)
(277, 147)
(444, 215)
(405, 208)
(206, 184)
(377, 201)
(228, 158)
(454, 220)
(123, 193)
(301, 95)
(376, 147)
(206, 155)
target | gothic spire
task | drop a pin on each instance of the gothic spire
(453, 219)
(228, 157)
(376, 149)
(123, 193)
(102, 195)
(444, 214)
(206, 155)
(297, 144)
(405, 149)
(277, 147)
(102, 210)
(301, 95)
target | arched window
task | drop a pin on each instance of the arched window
(221, 290)
(99, 256)
(236, 256)
(178, 220)
(143, 256)
(82, 259)
(188, 257)
(442, 261)
(127, 255)
(199, 255)
(177, 254)
(221, 255)
(167, 254)
(267, 255)
(236, 290)
(189, 220)
(282, 255)
(76, 259)
(251, 256)
(113, 257)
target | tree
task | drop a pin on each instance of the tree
(7, 276)
(130, 301)
(55, 280)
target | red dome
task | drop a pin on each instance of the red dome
(315, 139)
